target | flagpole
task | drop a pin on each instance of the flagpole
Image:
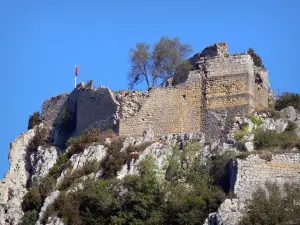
(75, 78)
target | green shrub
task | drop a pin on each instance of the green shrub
(287, 99)
(60, 164)
(34, 120)
(70, 179)
(32, 200)
(238, 135)
(272, 207)
(78, 144)
(256, 58)
(40, 138)
(114, 159)
(256, 120)
(30, 217)
(270, 138)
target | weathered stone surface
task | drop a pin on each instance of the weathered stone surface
(290, 113)
(54, 221)
(159, 154)
(229, 213)
(12, 187)
(94, 152)
(48, 201)
(52, 107)
(44, 159)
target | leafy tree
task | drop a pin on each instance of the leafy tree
(287, 99)
(156, 65)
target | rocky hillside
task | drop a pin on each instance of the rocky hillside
(103, 178)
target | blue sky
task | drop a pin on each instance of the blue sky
(41, 41)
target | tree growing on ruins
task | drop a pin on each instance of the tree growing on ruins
(257, 60)
(155, 65)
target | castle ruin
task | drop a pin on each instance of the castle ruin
(220, 86)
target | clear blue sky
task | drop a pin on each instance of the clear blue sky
(41, 41)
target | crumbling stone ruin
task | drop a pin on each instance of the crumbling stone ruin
(221, 86)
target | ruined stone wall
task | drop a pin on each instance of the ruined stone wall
(261, 88)
(167, 110)
(130, 102)
(253, 172)
(95, 108)
(52, 107)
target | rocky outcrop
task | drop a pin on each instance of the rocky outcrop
(43, 160)
(229, 213)
(48, 201)
(13, 186)
(94, 152)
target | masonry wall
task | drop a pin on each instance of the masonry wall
(95, 108)
(52, 107)
(261, 89)
(228, 81)
(167, 110)
(254, 172)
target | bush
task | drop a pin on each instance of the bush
(271, 207)
(256, 58)
(287, 99)
(238, 135)
(270, 138)
(60, 164)
(39, 139)
(78, 144)
(34, 120)
(30, 218)
(32, 200)
(114, 159)
(70, 179)
(256, 120)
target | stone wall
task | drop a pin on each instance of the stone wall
(130, 102)
(95, 108)
(52, 107)
(218, 49)
(167, 110)
(253, 172)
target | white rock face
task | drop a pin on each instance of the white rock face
(229, 213)
(13, 206)
(54, 221)
(156, 151)
(48, 201)
(94, 152)
(12, 187)
(45, 158)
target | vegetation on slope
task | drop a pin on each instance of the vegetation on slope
(189, 192)
(287, 99)
(273, 207)
(34, 120)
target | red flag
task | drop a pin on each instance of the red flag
(76, 70)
